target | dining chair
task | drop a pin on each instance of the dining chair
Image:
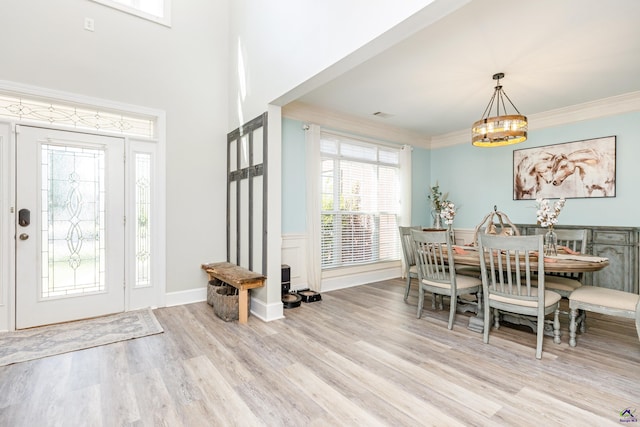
(611, 302)
(410, 269)
(508, 265)
(575, 241)
(437, 272)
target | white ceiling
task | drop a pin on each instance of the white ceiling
(554, 53)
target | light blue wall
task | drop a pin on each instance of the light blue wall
(421, 182)
(479, 178)
(293, 177)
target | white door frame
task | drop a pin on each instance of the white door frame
(135, 298)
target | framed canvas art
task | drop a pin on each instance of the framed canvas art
(571, 170)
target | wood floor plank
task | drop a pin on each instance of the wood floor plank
(82, 407)
(339, 408)
(154, 400)
(457, 395)
(358, 357)
(118, 398)
(44, 404)
(414, 406)
(226, 407)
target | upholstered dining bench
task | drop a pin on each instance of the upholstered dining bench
(604, 301)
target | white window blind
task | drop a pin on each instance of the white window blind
(360, 202)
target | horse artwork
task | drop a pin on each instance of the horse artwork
(570, 170)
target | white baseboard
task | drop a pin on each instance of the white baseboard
(267, 312)
(186, 297)
(361, 278)
(259, 309)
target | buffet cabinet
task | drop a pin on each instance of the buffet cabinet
(619, 244)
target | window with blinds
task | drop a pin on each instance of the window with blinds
(360, 202)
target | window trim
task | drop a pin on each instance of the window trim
(339, 157)
(162, 20)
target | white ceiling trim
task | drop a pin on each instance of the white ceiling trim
(347, 123)
(611, 106)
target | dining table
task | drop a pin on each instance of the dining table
(566, 261)
(563, 262)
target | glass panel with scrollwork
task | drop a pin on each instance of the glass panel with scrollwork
(73, 221)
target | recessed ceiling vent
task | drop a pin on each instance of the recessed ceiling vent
(382, 115)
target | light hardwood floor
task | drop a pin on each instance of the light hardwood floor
(357, 358)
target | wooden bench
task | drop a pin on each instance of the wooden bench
(604, 301)
(238, 277)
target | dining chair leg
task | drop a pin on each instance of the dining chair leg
(408, 287)
(496, 318)
(452, 311)
(420, 301)
(638, 320)
(556, 326)
(487, 321)
(572, 327)
(582, 321)
(539, 336)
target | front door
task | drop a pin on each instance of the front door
(70, 226)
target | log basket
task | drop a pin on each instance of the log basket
(224, 299)
(212, 288)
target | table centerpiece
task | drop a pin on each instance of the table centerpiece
(548, 217)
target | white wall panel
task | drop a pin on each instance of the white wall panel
(294, 247)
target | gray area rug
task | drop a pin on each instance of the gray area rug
(36, 343)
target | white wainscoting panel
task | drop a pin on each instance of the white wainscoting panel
(294, 248)
(294, 255)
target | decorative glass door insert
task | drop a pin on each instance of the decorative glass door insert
(73, 225)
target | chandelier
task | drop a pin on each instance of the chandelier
(500, 129)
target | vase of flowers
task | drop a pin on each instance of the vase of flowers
(550, 243)
(548, 217)
(438, 202)
(447, 213)
(437, 219)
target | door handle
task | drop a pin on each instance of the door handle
(24, 236)
(24, 217)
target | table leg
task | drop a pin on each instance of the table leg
(243, 299)
(476, 323)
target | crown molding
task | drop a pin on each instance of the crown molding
(332, 119)
(611, 106)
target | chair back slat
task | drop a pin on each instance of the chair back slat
(574, 239)
(432, 257)
(407, 244)
(508, 264)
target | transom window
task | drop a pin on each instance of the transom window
(153, 10)
(360, 202)
(75, 116)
